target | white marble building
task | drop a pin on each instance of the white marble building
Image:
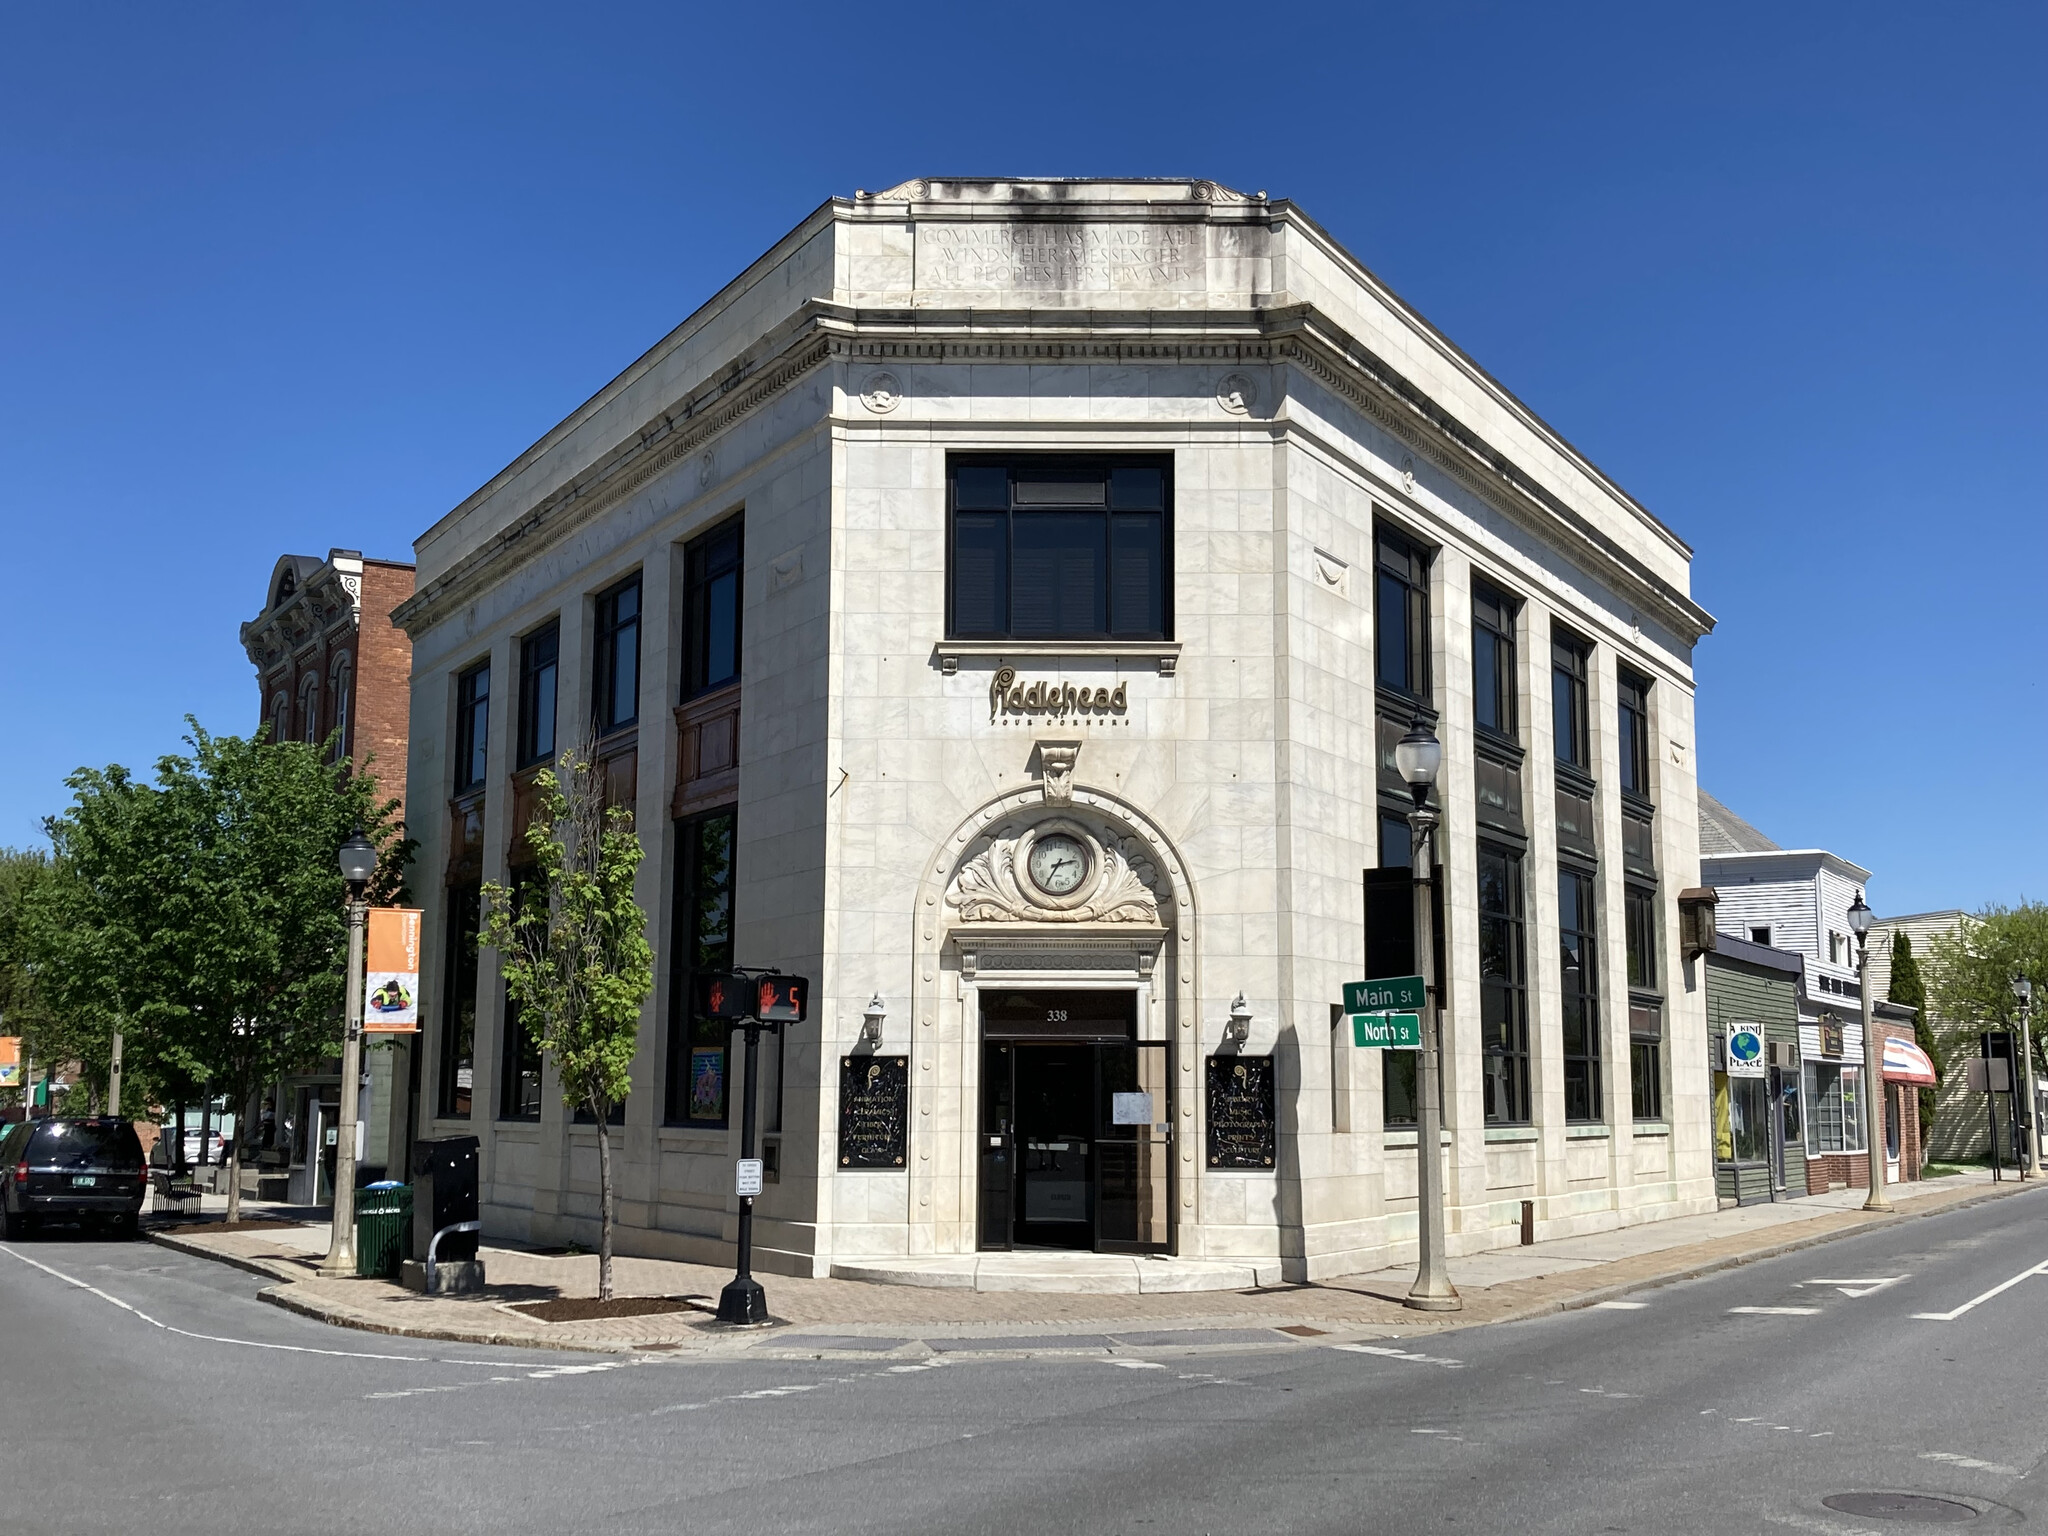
(1008, 554)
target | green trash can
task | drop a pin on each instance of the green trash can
(383, 1228)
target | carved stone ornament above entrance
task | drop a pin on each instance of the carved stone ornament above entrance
(1002, 883)
(1056, 761)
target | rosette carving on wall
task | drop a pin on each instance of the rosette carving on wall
(994, 884)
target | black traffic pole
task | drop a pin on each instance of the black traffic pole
(743, 1300)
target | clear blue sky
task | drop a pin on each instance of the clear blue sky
(284, 277)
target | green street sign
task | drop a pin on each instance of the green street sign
(1387, 1031)
(1384, 995)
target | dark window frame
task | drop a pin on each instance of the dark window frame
(1494, 631)
(689, 1036)
(714, 564)
(1129, 530)
(458, 1017)
(1402, 566)
(1570, 717)
(1632, 727)
(1584, 1098)
(472, 726)
(522, 1078)
(614, 684)
(540, 657)
(1504, 997)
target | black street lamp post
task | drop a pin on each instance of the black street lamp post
(1418, 756)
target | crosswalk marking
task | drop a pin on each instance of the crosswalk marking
(1779, 1311)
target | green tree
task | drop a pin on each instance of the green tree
(1970, 972)
(571, 942)
(204, 910)
(1909, 990)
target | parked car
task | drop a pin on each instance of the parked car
(214, 1143)
(89, 1171)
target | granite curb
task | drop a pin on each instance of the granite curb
(291, 1296)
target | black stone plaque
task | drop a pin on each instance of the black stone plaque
(874, 1111)
(1242, 1119)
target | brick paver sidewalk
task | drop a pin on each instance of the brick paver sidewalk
(854, 1314)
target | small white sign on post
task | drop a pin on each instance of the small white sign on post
(1130, 1109)
(746, 1177)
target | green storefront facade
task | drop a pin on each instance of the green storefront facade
(1759, 1140)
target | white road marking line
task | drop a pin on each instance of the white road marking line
(1778, 1311)
(1619, 1306)
(1401, 1354)
(1137, 1365)
(1858, 1287)
(1976, 1301)
(1971, 1462)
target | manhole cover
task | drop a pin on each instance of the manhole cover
(1915, 1508)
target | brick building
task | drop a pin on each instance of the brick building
(327, 659)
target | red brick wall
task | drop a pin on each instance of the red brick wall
(383, 687)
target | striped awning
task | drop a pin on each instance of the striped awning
(1905, 1062)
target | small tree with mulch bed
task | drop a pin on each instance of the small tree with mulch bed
(571, 942)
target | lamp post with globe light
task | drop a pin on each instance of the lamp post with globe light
(1860, 919)
(1418, 756)
(358, 859)
(2030, 1117)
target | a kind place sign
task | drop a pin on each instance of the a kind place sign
(1385, 1014)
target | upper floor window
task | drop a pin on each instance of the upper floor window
(1060, 549)
(539, 658)
(280, 718)
(472, 726)
(1760, 936)
(615, 665)
(1493, 661)
(1639, 914)
(309, 710)
(711, 602)
(1401, 598)
(1568, 658)
(1633, 719)
(287, 584)
(344, 681)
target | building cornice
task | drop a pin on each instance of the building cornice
(1295, 335)
(328, 602)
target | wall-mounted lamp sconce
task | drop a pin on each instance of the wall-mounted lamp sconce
(871, 1021)
(1239, 1029)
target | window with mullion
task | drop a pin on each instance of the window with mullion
(1568, 657)
(1401, 615)
(712, 568)
(615, 662)
(519, 1054)
(700, 1049)
(472, 726)
(458, 1019)
(1645, 1008)
(1503, 986)
(1059, 549)
(539, 664)
(1493, 662)
(1633, 722)
(1580, 986)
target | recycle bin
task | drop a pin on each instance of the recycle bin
(383, 1225)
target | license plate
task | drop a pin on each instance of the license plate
(84, 1180)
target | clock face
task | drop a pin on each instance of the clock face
(1058, 864)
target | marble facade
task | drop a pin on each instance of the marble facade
(1225, 777)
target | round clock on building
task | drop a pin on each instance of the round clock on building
(1058, 864)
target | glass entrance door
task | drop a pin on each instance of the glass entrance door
(1133, 1160)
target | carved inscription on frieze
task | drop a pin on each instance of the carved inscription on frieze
(1058, 255)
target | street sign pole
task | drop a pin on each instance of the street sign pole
(1432, 1291)
(743, 1300)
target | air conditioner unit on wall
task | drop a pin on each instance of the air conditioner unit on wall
(1784, 1054)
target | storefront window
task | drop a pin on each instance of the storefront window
(700, 1050)
(1748, 1119)
(1834, 1108)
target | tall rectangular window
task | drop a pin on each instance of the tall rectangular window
(458, 1018)
(539, 657)
(519, 1054)
(1401, 615)
(1639, 916)
(472, 726)
(1503, 986)
(1646, 1058)
(1493, 661)
(1633, 724)
(1834, 1108)
(1576, 905)
(700, 1049)
(1568, 701)
(1060, 549)
(712, 566)
(615, 662)
(1390, 951)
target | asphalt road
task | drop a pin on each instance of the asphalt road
(167, 1399)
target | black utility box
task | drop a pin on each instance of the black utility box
(444, 1192)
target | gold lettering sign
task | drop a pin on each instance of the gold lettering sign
(1008, 696)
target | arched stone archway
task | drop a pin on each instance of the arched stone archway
(980, 921)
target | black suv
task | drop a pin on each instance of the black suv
(83, 1170)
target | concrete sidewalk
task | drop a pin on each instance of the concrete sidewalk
(842, 1316)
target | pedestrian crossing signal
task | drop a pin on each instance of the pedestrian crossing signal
(722, 995)
(783, 999)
